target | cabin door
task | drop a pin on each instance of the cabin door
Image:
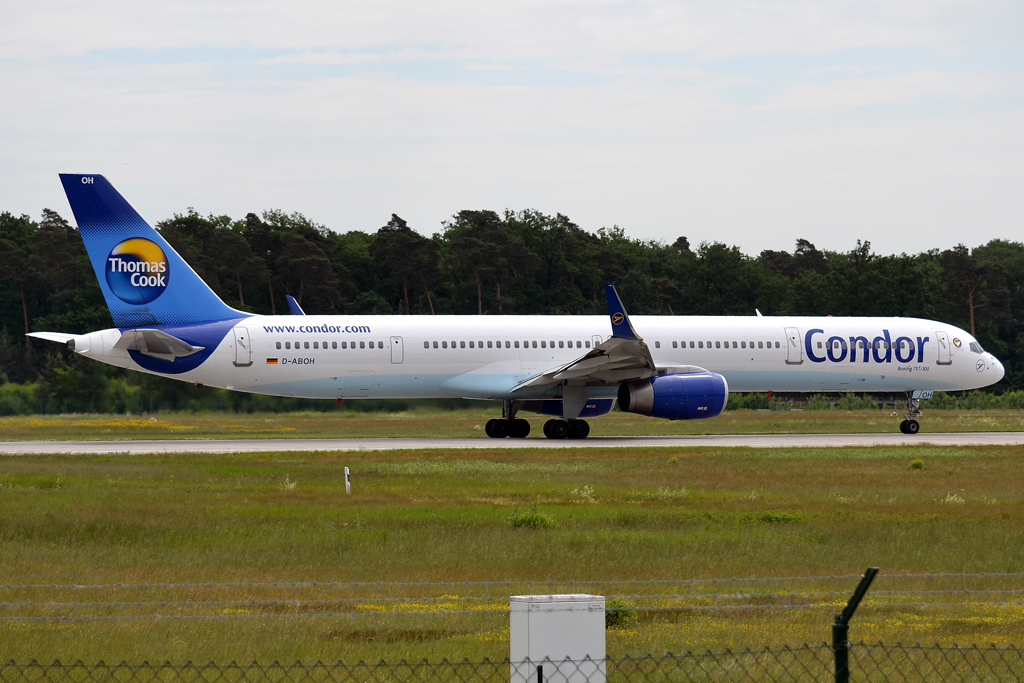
(794, 352)
(945, 358)
(243, 349)
(397, 350)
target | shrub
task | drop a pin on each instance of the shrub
(618, 612)
(772, 517)
(917, 464)
(531, 519)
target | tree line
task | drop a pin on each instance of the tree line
(478, 263)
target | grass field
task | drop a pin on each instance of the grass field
(470, 423)
(614, 514)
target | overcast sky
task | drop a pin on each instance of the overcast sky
(752, 123)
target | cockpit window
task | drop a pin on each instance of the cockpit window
(976, 347)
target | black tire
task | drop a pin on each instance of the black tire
(579, 429)
(500, 429)
(913, 426)
(547, 428)
(559, 429)
(489, 428)
(903, 426)
(519, 429)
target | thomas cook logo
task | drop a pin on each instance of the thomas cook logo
(137, 271)
(617, 319)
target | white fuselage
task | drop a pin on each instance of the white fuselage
(485, 357)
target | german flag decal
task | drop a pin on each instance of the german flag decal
(271, 361)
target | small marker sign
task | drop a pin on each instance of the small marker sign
(348, 482)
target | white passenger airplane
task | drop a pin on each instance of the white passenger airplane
(170, 323)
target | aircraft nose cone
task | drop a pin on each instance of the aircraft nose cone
(997, 367)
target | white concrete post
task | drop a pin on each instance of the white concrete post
(557, 638)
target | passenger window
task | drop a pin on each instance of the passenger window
(543, 345)
(579, 345)
(777, 345)
(316, 345)
(334, 345)
(508, 345)
(760, 345)
(743, 345)
(819, 345)
(435, 345)
(490, 344)
(278, 344)
(561, 344)
(471, 345)
(586, 345)
(462, 345)
(517, 345)
(480, 344)
(426, 345)
(362, 345)
(657, 344)
(444, 345)
(344, 345)
(675, 345)
(700, 345)
(551, 343)
(287, 345)
(307, 345)
(324, 345)
(691, 345)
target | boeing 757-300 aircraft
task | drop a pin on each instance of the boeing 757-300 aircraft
(170, 323)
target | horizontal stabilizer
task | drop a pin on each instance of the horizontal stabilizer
(156, 343)
(59, 337)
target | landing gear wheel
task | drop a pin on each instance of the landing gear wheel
(913, 427)
(499, 429)
(903, 426)
(578, 429)
(519, 429)
(556, 429)
(489, 428)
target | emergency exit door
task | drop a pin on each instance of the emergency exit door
(397, 350)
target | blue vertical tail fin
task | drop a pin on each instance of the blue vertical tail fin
(143, 279)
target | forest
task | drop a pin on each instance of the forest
(480, 262)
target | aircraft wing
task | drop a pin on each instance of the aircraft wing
(623, 357)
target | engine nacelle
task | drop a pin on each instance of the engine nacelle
(693, 396)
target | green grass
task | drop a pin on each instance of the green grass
(470, 423)
(448, 516)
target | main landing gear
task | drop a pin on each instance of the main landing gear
(911, 425)
(566, 429)
(508, 425)
(500, 428)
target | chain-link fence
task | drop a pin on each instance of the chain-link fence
(869, 662)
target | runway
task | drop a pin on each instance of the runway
(348, 445)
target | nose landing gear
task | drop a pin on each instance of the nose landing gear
(910, 425)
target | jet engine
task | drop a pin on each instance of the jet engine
(691, 396)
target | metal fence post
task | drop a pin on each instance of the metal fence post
(841, 627)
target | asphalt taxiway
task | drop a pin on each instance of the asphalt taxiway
(391, 444)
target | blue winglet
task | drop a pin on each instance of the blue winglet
(294, 305)
(621, 327)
